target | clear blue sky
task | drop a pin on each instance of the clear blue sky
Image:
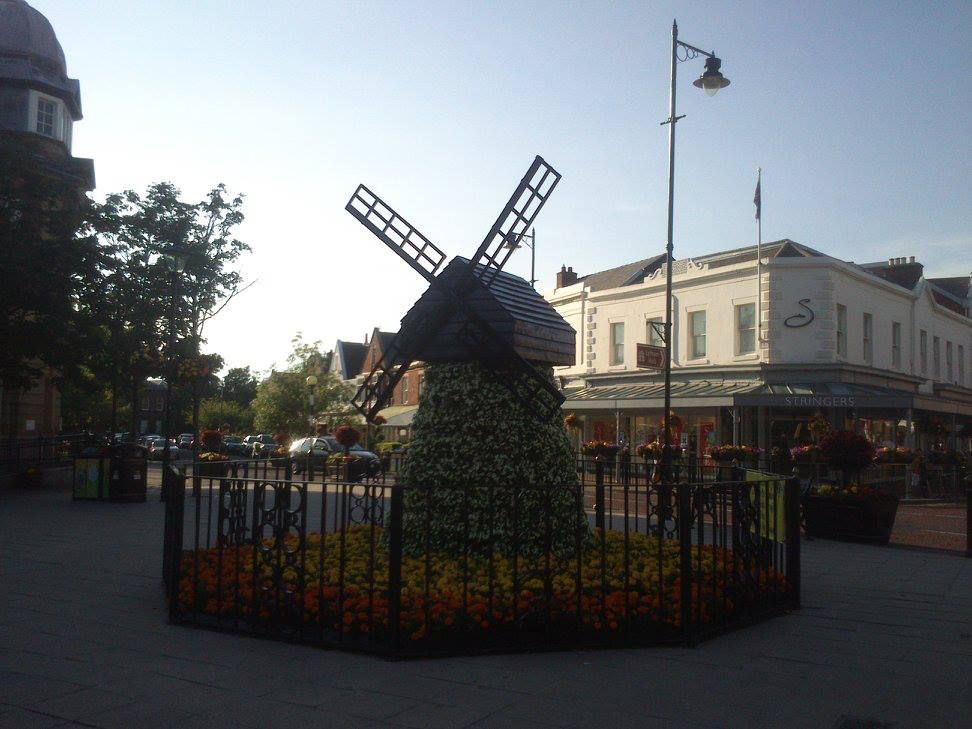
(858, 113)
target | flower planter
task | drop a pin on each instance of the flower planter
(851, 519)
(212, 469)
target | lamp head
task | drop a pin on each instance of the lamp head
(711, 79)
(175, 259)
(311, 380)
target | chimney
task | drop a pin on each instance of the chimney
(911, 259)
(566, 277)
(890, 261)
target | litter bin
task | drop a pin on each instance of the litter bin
(129, 470)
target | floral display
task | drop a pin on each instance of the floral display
(850, 491)
(728, 452)
(471, 595)
(379, 420)
(805, 454)
(572, 422)
(651, 450)
(212, 457)
(212, 440)
(846, 450)
(347, 435)
(894, 455)
(819, 426)
(600, 449)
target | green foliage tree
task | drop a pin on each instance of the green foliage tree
(487, 458)
(48, 263)
(282, 403)
(216, 412)
(239, 386)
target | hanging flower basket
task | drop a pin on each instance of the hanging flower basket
(347, 435)
(600, 449)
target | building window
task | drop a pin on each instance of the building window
(923, 351)
(421, 386)
(405, 390)
(160, 403)
(654, 338)
(868, 339)
(143, 403)
(46, 117)
(841, 330)
(937, 358)
(617, 343)
(961, 368)
(745, 328)
(948, 361)
(896, 345)
(697, 327)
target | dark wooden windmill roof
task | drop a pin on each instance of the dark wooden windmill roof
(524, 320)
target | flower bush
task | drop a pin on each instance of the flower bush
(572, 422)
(850, 491)
(651, 450)
(444, 595)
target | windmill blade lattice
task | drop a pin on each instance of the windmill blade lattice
(524, 205)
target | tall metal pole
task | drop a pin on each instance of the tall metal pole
(170, 371)
(533, 258)
(669, 248)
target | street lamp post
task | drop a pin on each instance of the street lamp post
(311, 382)
(710, 81)
(532, 235)
(175, 262)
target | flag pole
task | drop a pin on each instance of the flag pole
(757, 199)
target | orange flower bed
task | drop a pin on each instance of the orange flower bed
(442, 594)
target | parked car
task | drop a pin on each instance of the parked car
(260, 446)
(320, 448)
(185, 440)
(233, 446)
(144, 440)
(156, 449)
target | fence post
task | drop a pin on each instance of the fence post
(968, 521)
(395, 566)
(791, 503)
(599, 493)
(684, 501)
(172, 556)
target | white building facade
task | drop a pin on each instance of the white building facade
(874, 347)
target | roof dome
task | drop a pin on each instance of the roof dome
(25, 33)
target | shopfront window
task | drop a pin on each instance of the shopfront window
(745, 328)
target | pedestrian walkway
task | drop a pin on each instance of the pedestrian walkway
(885, 635)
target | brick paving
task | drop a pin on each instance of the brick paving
(884, 635)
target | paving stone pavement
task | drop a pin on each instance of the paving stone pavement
(884, 635)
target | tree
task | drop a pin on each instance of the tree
(142, 304)
(215, 413)
(239, 386)
(282, 404)
(47, 263)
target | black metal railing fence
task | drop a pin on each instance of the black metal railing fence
(370, 566)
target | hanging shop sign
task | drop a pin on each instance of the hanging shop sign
(651, 357)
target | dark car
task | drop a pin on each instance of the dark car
(319, 448)
(233, 447)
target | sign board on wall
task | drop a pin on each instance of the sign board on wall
(651, 357)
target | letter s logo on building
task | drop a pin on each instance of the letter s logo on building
(800, 320)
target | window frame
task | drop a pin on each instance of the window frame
(923, 350)
(616, 348)
(867, 337)
(949, 368)
(739, 329)
(961, 365)
(896, 345)
(840, 325)
(937, 357)
(694, 338)
(650, 333)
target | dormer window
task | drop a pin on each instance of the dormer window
(46, 118)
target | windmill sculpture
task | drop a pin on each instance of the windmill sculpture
(472, 310)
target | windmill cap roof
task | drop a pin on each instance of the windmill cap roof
(26, 33)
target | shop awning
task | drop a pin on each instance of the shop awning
(825, 395)
(690, 393)
(398, 415)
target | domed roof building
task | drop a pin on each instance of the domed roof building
(39, 105)
(36, 95)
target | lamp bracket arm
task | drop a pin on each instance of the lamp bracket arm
(692, 51)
